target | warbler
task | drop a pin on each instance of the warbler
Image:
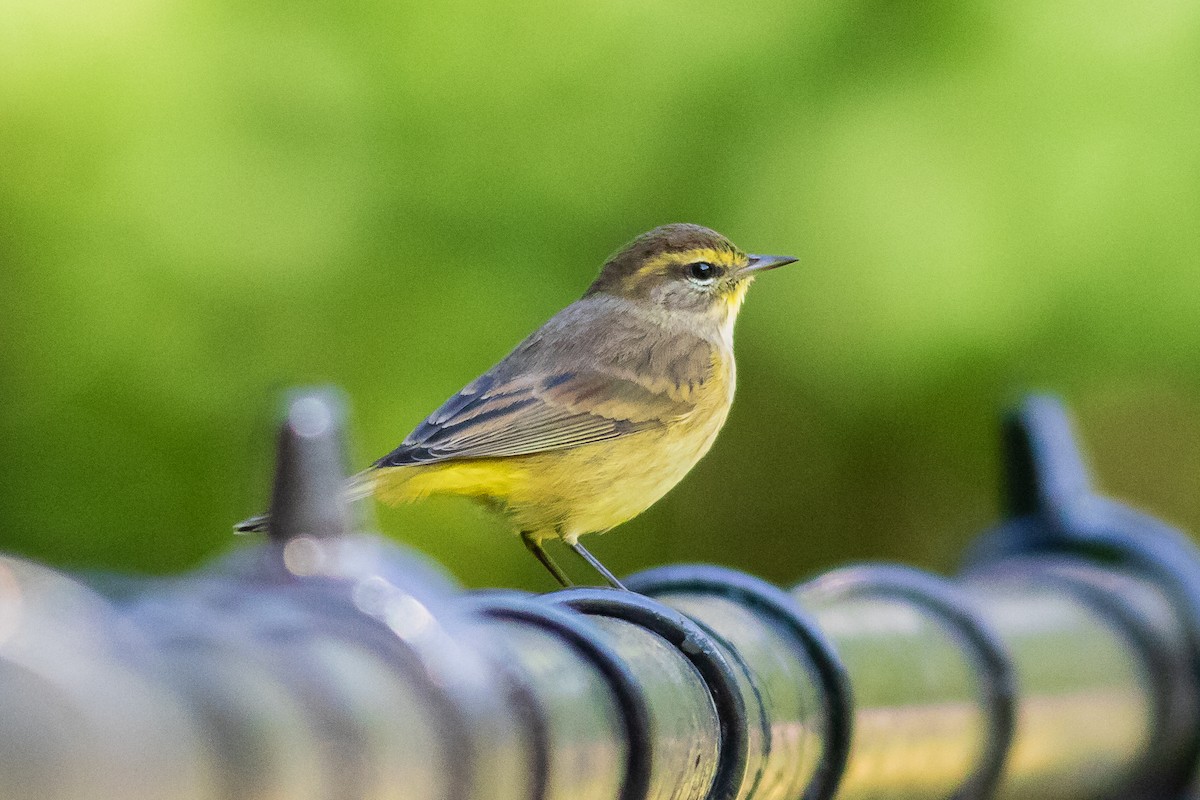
(602, 410)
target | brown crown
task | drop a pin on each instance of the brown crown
(677, 237)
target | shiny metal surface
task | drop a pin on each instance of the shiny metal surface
(780, 692)
(305, 691)
(919, 724)
(1157, 630)
(308, 495)
(326, 665)
(683, 719)
(584, 738)
(1085, 703)
(81, 715)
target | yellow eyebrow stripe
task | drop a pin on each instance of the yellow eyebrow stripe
(722, 258)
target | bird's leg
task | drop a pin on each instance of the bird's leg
(535, 547)
(609, 578)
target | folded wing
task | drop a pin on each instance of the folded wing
(495, 417)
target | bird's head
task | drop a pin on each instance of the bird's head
(684, 268)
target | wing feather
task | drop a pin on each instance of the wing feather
(493, 418)
(597, 371)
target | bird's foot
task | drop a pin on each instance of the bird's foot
(595, 564)
(535, 547)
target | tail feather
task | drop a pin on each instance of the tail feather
(256, 524)
(358, 487)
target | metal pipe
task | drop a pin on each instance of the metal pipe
(793, 683)
(699, 735)
(82, 716)
(584, 700)
(933, 690)
(1085, 706)
(325, 664)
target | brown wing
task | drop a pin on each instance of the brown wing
(593, 373)
(493, 418)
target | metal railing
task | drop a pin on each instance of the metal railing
(1064, 662)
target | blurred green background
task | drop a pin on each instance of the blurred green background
(202, 202)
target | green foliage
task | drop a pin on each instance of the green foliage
(202, 202)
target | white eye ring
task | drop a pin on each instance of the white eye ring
(702, 272)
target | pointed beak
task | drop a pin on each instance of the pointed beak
(763, 263)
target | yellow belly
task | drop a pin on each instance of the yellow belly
(569, 493)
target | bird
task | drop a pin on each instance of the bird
(598, 413)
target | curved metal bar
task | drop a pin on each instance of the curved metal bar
(817, 654)
(330, 664)
(622, 683)
(704, 655)
(955, 609)
(1055, 510)
(1085, 707)
(1142, 614)
(315, 653)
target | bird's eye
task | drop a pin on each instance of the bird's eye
(702, 272)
